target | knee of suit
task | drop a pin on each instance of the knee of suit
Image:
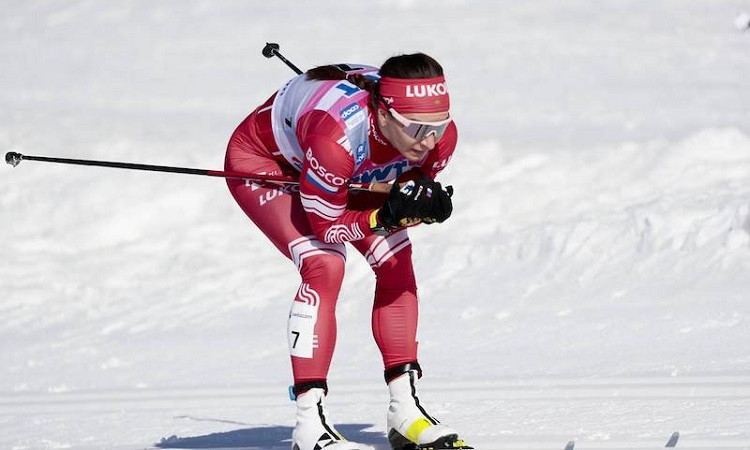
(397, 272)
(323, 271)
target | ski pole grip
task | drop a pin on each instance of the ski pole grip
(270, 49)
(13, 158)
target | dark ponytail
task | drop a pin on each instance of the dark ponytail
(332, 72)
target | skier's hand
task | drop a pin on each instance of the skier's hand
(441, 206)
(420, 200)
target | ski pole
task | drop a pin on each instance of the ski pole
(272, 49)
(15, 158)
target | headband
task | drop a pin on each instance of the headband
(415, 95)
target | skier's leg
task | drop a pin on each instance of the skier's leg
(312, 336)
(395, 309)
(394, 325)
(278, 213)
(312, 320)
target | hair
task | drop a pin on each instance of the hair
(415, 65)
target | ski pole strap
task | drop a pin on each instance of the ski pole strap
(396, 371)
(301, 388)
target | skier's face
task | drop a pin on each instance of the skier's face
(406, 132)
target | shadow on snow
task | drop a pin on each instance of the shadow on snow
(266, 437)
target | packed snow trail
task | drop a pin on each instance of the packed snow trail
(526, 413)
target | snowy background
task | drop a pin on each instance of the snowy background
(592, 284)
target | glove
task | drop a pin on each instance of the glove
(441, 206)
(420, 200)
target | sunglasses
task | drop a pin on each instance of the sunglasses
(419, 130)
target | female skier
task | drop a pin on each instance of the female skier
(331, 126)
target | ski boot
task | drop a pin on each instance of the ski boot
(313, 431)
(409, 425)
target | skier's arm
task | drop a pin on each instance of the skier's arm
(326, 170)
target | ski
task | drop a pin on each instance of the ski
(458, 445)
(671, 443)
(448, 443)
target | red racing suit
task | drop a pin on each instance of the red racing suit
(324, 131)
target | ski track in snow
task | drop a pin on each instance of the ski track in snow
(592, 283)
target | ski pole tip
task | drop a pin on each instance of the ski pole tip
(13, 158)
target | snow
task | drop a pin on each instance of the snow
(742, 21)
(592, 283)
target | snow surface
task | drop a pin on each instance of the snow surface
(592, 284)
